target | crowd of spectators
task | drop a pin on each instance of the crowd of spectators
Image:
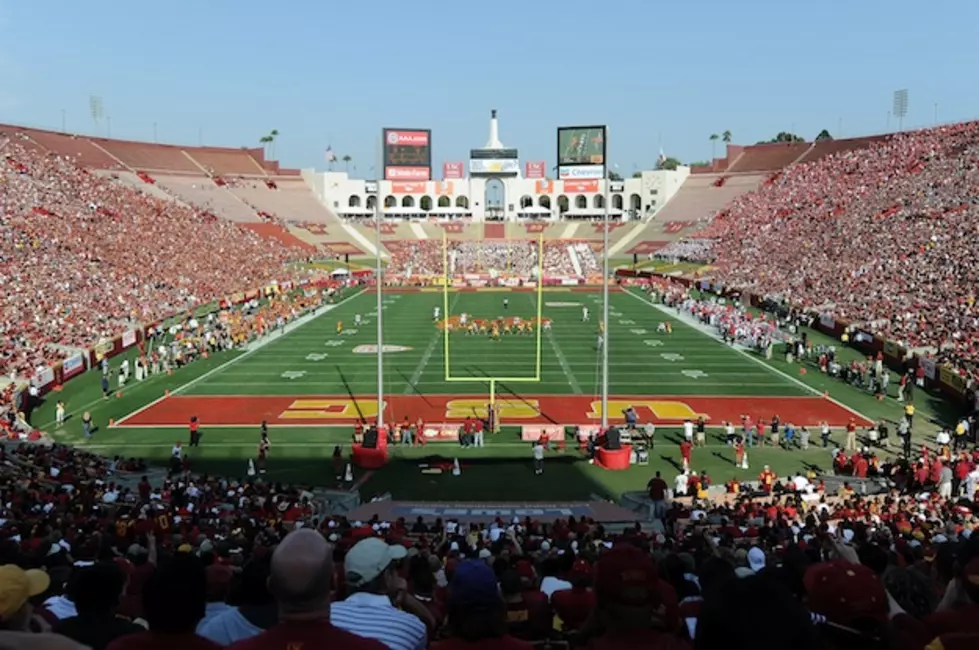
(880, 236)
(504, 258)
(86, 257)
(92, 552)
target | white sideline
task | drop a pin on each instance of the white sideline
(251, 348)
(694, 324)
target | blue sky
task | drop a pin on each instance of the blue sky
(333, 73)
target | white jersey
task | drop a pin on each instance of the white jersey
(177, 451)
(688, 430)
(584, 314)
(436, 312)
(601, 342)
(356, 319)
(538, 451)
(464, 318)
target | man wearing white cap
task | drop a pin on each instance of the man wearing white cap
(379, 605)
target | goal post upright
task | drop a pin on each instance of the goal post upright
(540, 301)
(446, 284)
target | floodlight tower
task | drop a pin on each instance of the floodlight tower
(900, 109)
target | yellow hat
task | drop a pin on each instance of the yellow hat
(17, 585)
(185, 548)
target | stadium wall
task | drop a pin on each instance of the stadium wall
(632, 198)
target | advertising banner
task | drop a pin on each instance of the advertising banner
(581, 186)
(575, 172)
(444, 188)
(43, 377)
(129, 338)
(407, 154)
(453, 170)
(534, 170)
(545, 186)
(952, 379)
(407, 173)
(408, 188)
(478, 166)
(928, 364)
(73, 366)
(894, 350)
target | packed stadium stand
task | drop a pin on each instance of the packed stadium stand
(880, 231)
(113, 554)
(90, 233)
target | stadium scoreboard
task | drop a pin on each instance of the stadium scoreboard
(407, 154)
(581, 152)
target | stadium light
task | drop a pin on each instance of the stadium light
(900, 109)
(378, 282)
(605, 309)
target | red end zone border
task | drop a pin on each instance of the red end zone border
(327, 410)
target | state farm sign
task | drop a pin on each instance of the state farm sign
(407, 173)
(408, 138)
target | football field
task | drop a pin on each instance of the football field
(313, 382)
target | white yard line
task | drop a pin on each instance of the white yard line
(562, 361)
(423, 363)
(710, 333)
(250, 349)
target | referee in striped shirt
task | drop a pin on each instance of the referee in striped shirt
(379, 606)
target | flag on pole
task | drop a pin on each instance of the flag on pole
(330, 156)
(662, 156)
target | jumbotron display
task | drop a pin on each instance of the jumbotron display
(407, 154)
(581, 152)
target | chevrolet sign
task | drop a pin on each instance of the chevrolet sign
(494, 166)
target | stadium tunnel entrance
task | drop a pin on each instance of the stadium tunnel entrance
(495, 199)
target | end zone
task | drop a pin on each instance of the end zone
(337, 410)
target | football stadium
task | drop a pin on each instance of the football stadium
(623, 403)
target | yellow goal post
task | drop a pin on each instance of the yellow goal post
(447, 285)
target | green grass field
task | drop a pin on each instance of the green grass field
(232, 392)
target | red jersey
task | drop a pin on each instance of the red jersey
(292, 635)
(685, 449)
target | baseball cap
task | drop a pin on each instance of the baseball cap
(756, 559)
(845, 592)
(136, 549)
(368, 559)
(474, 583)
(627, 576)
(17, 585)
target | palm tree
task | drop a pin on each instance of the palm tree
(713, 144)
(726, 137)
(265, 141)
(346, 162)
(273, 134)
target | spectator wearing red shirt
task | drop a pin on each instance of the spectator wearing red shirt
(174, 601)
(477, 615)
(528, 613)
(301, 581)
(631, 603)
(573, 606)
